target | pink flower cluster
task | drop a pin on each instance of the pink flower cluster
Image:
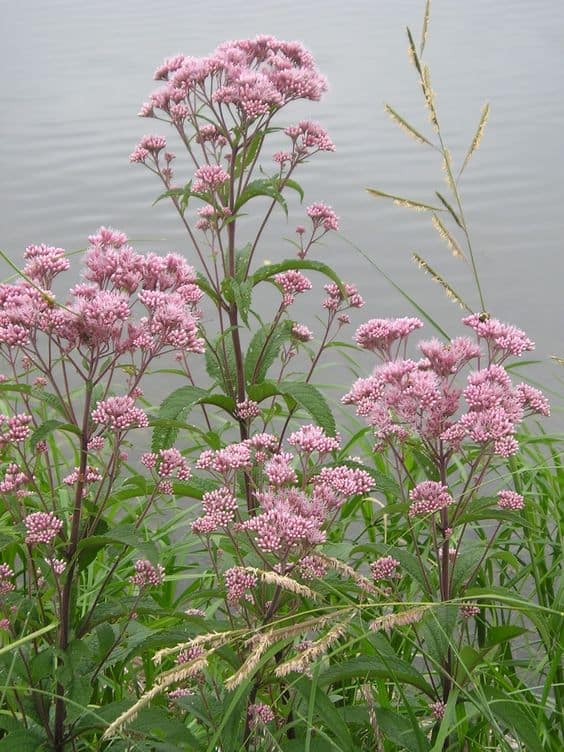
(510, 500)
(289, 518)
(502, 339)
(495, 409)
(16, 428)
(209, 178)
(6, 574)
(44, 263)
(13, 479)
(379, 335)
(259, 713)
(238, 581)
(323, 216)
(252, 76)
(405, 398)
(92, 475)
(100, 314)
(429, 497)
(168, 463)
(312, 438)
(146, 574)
(42, 527)
(302, 333)
(119, 414)
(384, 568)
(337, 301)
(307, 139)
(292, 283)
(220, 507)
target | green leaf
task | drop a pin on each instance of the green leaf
(21, 741)
(261, 354)
(295, 187)
(42, 664)
(268, 187)
(246, 155)
(400, 730)
(265, 272)
(174, 407)
(513, 713)
(239, 293)
(437, 628)
(326, 712)
(371, 667)
(497, 635)
(312, 401)
(48, 427)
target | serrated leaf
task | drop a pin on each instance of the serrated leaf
(312, 401)
(262, 187)
(261, 354)
(48, 427)
(295, 187)
(436, 629)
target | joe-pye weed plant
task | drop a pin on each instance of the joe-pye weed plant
(272, 620)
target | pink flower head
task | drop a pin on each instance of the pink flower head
(292, 283)
(495, 410)
(92, 475)
(58, 566)
(510, 500)
(238, 581)
(260, 714)
(13, 479)
(468, 610)
(312, 567)
(384, 568)
(438, 709)
(119, 414)
(6, 574)
(323, 216)
(16, 428)
(312, 438)
(248, 409)
(42, 527)
(220, 507)
(339, 299)
(279, 470)
(378, 335)
(502, 339)
(302, 333)
(146, 574)
(224, 461)
(209, 178)
(44, 263)
(448, 359)
(347, 481)
(429, 497)
(289, 518)
(309, 137)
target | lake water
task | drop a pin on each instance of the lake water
(74, 75)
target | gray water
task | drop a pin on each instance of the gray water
(73, 75)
